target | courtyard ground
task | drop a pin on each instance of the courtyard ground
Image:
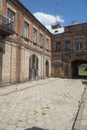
(49, 104)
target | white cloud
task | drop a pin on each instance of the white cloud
(47, 19)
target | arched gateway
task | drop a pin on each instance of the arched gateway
(75, 68)
(33, 67)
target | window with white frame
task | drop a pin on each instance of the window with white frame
(47, 43)
(10, 15)
(79, 44)
(41, 39)
(67, 45)
(34, 36)
(26, 30)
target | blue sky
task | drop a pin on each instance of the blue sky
(65, 10)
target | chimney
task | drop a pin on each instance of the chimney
(56, 26)
(74, 22)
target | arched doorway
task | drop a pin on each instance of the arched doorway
(77, 68)
(47, 69)
(1, 57)
(33, 67)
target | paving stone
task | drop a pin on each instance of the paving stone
(83, 127)
(83, 122)
(11, 127)
(50, 105)
(12, 122)
(21, 124)
(3, 125)
(19, 129)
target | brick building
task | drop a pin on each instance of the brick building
(25, 45)
(69, 51)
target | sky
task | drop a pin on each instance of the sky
(48, 12)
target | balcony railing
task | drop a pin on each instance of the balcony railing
(70, 52)
(6, 26)
(76, 52)
(65, 55)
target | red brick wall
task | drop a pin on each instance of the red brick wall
(71, 32)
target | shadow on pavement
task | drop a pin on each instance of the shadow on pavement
(34, 128)
(84, 82)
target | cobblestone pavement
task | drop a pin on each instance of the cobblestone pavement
(49, 104)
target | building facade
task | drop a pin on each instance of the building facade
(69, 51)
(25, 45)
(28, 51)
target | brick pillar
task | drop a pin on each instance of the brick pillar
(18, 63)
(1, 56)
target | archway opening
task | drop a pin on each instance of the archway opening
(79, 69)
(33, 67)
(47, 68)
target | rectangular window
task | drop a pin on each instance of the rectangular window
(34, 36)
(11, 19)
(67, 45)
(79, 44)
(57, 46)
(26, 30)
(41, 40)
(47, 43)
(11, 15)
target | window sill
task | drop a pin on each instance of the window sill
(47, 50)
(67, 50)
(41, 47)
(26, 39)
(34, 43)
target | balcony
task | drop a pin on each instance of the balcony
(76, 52)
(66, 55)
(6, 26)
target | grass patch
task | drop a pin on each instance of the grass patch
(82, 73)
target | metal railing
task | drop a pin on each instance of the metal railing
(6, 24)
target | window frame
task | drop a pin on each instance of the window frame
(78, 44)
(57, 46)
(47, 43)
(41, 40)
(67, 45)
(13, 15)
(34, 35)
(26, 30)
